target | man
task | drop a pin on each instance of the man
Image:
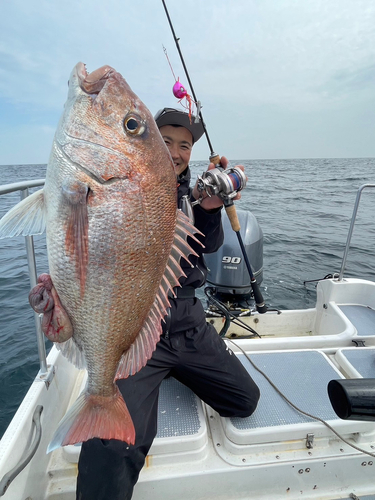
(189, 349)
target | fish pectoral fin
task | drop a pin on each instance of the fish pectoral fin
(144, 345)
(72, 352)
(94, 416)
(76, 240)
(26, 218)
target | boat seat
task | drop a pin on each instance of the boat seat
(302, 376)
(357, 361)
(181, 426)
(362, 318)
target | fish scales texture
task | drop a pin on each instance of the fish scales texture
(109, 207)
(123, 274)
(130, 231)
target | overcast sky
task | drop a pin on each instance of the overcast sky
(277, 78)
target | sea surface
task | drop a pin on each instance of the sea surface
(303, 206)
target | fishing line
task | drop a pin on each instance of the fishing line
(199, 113)
(228, 203)
(299, 409)
(169, 62)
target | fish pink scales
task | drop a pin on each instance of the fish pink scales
(114, 240)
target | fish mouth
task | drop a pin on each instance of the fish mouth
(90, 84)
(93, 83)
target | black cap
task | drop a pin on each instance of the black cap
(171, 116)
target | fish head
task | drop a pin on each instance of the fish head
(107, 130)
(109, 170)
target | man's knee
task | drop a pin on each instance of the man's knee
(246, 405)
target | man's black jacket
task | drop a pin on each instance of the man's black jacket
(188, 313)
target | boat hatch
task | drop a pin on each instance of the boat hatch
(357, 362)
(182, 427)
(362, 317)
(302, 376)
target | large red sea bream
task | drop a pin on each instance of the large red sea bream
(114, 241)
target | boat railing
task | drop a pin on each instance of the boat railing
(24, 187)
(350, 233)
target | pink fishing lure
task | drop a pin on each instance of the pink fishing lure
(179, 90)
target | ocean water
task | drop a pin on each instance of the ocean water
(303, 206)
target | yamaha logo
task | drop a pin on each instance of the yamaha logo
(230, 262)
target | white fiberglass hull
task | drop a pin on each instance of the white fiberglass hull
(199, 455)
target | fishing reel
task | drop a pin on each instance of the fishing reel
(222, 183)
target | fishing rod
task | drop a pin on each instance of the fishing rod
(214, 157)
(212, 182)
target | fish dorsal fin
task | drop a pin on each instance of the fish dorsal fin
(144, 345)
(26, 218)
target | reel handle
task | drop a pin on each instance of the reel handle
(228, 204)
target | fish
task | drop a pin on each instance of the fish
(115, 238)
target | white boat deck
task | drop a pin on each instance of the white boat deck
(193, 439)
(198, 455)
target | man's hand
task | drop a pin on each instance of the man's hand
(213, 202)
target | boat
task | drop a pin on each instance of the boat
(294, 445)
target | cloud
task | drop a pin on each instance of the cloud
(347, 81)
(22, 144)
(278, 62)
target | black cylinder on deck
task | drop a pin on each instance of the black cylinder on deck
(353, 399)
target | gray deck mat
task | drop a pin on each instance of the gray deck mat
(363, 360)
(302, 376)
(177, 411)
(362, 317)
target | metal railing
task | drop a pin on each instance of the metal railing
(23, 187)
(350, 233)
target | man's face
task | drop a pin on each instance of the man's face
(179, 141)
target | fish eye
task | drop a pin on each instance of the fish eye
(134, 125)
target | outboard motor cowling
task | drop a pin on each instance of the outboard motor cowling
(227, 270)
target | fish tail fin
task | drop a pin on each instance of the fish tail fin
(95, 416)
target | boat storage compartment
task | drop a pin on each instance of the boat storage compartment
(362, 318)
(357, 362)
(182, 430)
(276, 429)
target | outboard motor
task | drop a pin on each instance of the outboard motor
(227, 272)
